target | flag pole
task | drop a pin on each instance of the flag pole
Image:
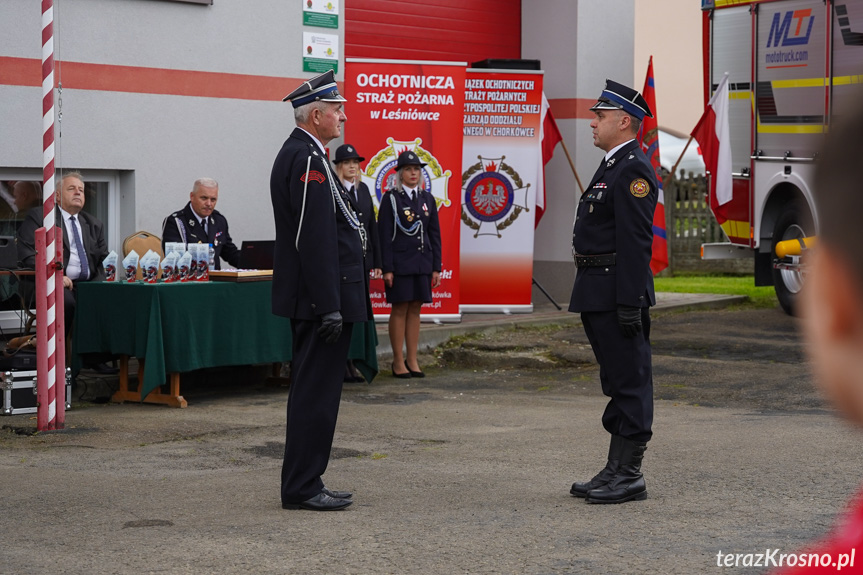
(572, 166)
(673, 171)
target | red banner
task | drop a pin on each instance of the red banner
(395, 106)
(648, 137)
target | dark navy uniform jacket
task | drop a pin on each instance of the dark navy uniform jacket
(366, 212)
(615, 215)
(403, 254)
(192, 233)
(322, 270)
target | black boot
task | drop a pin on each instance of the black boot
(628, 483)
(604, 476)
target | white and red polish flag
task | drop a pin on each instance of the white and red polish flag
(712, 135)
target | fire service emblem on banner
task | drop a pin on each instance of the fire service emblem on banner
(380, 173)
(490, 189)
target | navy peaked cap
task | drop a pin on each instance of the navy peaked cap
(616, 96)
(321, 88)
(347, 152)
(408, 158)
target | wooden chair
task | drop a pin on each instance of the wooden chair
(142, 242)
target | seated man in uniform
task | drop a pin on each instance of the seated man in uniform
(200, 222)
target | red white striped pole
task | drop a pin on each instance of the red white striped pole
(60, 333)
(45, 392)
(47, 375)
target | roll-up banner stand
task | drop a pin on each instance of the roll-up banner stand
(398, 105)
(501, 168)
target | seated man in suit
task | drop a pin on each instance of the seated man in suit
(200, 222)
(84, 246)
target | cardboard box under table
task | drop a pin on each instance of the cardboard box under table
(178, 327)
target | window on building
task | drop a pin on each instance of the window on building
(21, 191)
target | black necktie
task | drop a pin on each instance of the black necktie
(414, 197)
(79, 246)
(204, 225)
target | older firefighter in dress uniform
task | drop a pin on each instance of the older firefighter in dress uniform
(201, 223)
(320, 283)
(613, 289)
(411, 253)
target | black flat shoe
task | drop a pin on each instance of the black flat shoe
(400, 375)
(320, 502)
(413, 373)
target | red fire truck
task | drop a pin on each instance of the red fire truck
(793, 66)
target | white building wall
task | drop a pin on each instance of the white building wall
(161, 142)
(670, 30)
(580, 43)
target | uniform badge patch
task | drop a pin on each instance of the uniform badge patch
(639, 188)
(313, 175)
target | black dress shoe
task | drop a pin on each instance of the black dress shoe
(320, 502)
(414, 373)
(337, 494)
(400, 375)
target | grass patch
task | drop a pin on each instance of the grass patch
(759, 297)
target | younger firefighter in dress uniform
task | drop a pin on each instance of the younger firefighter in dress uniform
(411, 259)
(611, 241)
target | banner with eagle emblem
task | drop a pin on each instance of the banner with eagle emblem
(502, 164)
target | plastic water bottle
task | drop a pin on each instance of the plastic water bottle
(212, 264)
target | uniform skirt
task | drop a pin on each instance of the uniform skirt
(414, 287)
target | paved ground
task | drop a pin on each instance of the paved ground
(465, 471)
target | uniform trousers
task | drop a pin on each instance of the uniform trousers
(625, 373)
(317, 373)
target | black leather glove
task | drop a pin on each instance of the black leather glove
(331, 326)
(629, 319)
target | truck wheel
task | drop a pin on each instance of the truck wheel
(794, 223)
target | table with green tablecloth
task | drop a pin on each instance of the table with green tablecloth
(178, 327)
